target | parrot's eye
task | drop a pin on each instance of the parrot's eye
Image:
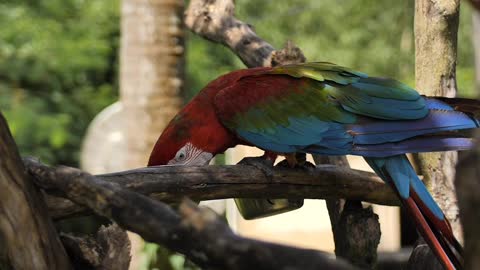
(190, 155)
(181, 155)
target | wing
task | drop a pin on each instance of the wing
(317, 107)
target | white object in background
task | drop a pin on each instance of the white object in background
(104, 146)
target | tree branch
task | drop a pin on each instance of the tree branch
(215, 21)
(171, 183)
(198, 233)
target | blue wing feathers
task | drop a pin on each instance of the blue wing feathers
(370, 137)
(435, 104)
(413, 145)
(371, 131)
(398, 171)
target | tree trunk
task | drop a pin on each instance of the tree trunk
(436, 25)
(151, 71)
(151, 77)
(28, 238)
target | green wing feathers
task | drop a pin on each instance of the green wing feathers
(356, 92)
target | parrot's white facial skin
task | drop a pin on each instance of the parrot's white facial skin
(190, 155)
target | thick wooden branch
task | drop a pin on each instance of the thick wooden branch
(198, 233)
(28, 239)
(171, 183)
(215, 21)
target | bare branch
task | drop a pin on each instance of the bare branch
(198, 233)
(171, 183)
(215, 21)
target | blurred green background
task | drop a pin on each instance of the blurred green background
(59, 60)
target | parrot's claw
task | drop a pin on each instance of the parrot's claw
(305, 165)
(261, 163)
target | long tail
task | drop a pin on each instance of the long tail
(429, 218)
(471, 107)
(440, 130)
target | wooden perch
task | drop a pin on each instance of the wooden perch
(171, 183)
(196, 232)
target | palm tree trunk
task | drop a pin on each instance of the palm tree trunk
(151, 71)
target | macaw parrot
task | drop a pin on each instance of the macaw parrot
(324, 109)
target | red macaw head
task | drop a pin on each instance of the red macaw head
(178, 145)
(193, 137)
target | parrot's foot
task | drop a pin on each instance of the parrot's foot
(296, 161)
(286, 164)
(261, 163)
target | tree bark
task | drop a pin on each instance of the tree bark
(436, 25)
(151, 78)
(198, 233)
(109, 249)
(171, 183)
(151, 72)
(356, 230)
(28, 238)
(215, 20)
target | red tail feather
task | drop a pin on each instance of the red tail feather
(437, 233)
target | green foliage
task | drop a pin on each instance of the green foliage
(466, 59)
(159, 258)
(58, 62)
